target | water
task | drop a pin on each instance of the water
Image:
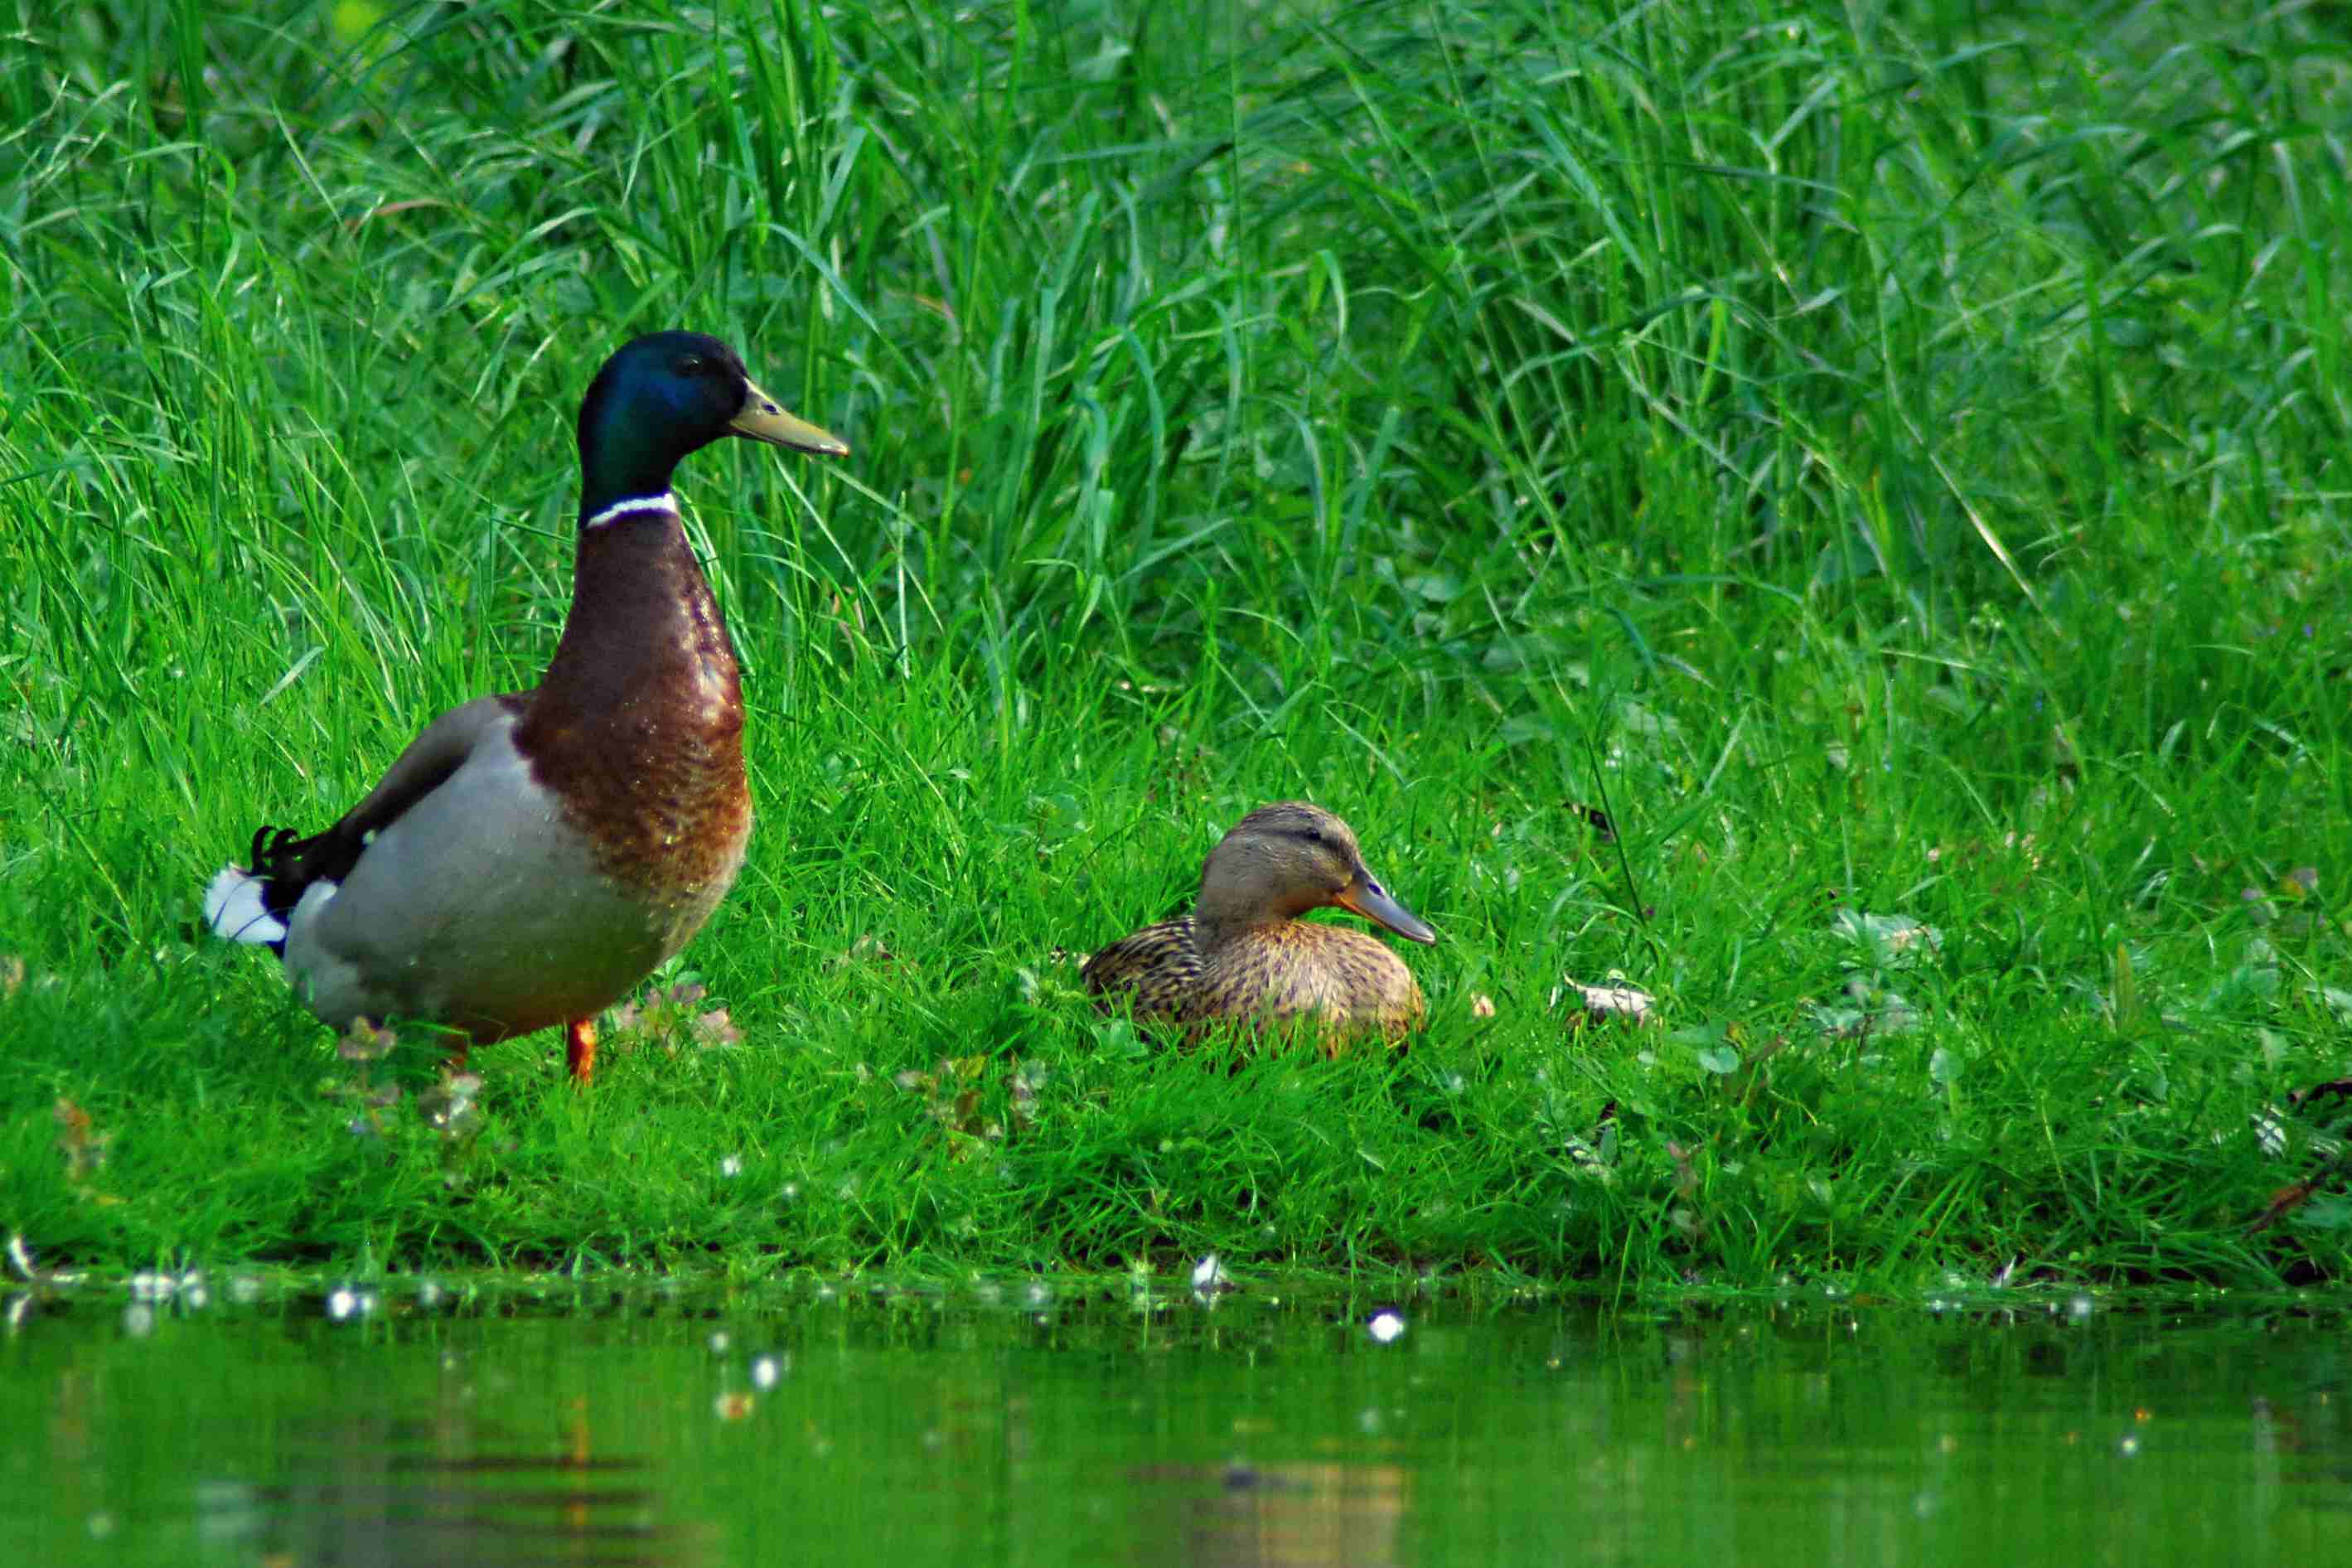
(1007, 1426)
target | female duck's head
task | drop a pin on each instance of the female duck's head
(1282, 861)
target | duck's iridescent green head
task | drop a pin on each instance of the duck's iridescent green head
(663, 396)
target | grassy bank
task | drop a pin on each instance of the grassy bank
(1892, 471)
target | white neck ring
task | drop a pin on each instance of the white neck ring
(631, 507)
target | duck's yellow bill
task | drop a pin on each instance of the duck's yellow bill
(765, 419)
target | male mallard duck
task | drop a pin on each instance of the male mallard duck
(532, 856)
(1242, 954)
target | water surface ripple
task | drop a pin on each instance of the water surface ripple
(1025, 1424)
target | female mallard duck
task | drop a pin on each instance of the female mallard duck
(530, 856)
(1243, 954)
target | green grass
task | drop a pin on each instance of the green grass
(1890, 460)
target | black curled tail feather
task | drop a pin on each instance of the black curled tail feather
(287, 865)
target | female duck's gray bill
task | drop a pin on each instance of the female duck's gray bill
(765, 419)
(1369, 899)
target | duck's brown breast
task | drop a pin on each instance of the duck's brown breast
(1338, 983)
(1348, 982)
(638, 728)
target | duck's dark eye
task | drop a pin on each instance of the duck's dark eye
(692, 364)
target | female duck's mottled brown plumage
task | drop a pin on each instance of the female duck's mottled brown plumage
(1243, 954)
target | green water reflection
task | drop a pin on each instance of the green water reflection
(915, 1426)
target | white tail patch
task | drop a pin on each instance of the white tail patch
(232, 908)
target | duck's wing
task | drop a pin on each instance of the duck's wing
(1157, 964)
(254, 903)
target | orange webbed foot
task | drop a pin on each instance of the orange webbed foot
(579, 1050)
